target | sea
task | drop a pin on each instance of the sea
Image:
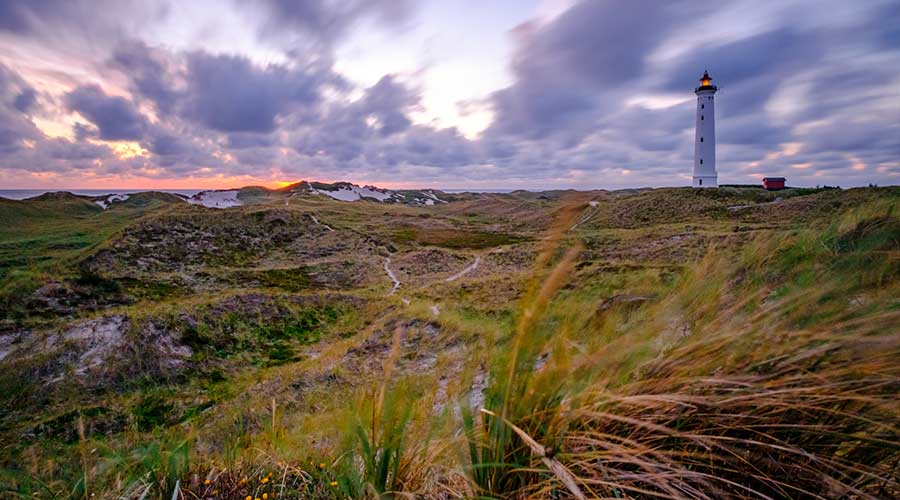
(22, 194)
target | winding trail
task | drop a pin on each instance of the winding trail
(588, 213)
(319, 223)
(471, 267)
(391, 275)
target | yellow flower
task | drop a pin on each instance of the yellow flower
(207, 481)
(322, 465)
(248, 498)
(265, 480)
(334, 483)
(265, 496)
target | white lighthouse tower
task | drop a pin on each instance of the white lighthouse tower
(705, 175)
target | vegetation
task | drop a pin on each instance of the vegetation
(667, 343)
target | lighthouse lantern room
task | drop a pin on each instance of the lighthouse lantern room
(705, 175)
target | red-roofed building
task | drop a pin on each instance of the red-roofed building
(773, 183)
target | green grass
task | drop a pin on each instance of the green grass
(42, 237)
(454, 238)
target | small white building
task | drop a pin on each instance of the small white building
(705, 175)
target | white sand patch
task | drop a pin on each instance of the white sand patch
(98, 338)
(8, 344)
(429, 193)
(354, 193)
(216, 199)
(468, 269)
(373, 192)
(391, 275)
(342, 194)
(104, 204)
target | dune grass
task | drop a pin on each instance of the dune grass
(768, 369)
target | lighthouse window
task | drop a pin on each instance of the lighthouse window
(702, 106)
(701, 180)
(701, 162)
(701, 139)
(701, 117)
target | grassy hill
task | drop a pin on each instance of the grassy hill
(666, 343)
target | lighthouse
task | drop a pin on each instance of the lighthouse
(705, 175)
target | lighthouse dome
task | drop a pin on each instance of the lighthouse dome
(706, 83)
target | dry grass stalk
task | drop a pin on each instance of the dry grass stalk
(546, 455)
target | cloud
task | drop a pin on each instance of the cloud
(22, 16)
(116, 118)
(149, 71)
(15, 126)
(600, 95)
(231, 94)
(578, 65)
(375, 132)
(580, 80)
(329, 20)
(388, 102)
(26, 100)
(73, 25)
(244, 140)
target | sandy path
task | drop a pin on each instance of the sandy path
(588, 213)
(391, 275)
(468, 269)
(319, 223)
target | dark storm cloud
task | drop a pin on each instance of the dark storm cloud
(116, 117)
(329, 20)
(442, 148)
(345, 131)
(388, 102)
(12, 88)
(72, 24)
(573, 67)
(167, 144)
(872, 133)
(22, 16)
(15, 126)
(149, 72)
(751, 129)
(231, 94)
(26, 100)
(247, 140)
(779, 51)
(751, 68)
(63, 149)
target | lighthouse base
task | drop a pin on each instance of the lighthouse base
(706, 182)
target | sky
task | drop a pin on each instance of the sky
(533, 94)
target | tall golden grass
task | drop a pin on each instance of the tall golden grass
(757, 377)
